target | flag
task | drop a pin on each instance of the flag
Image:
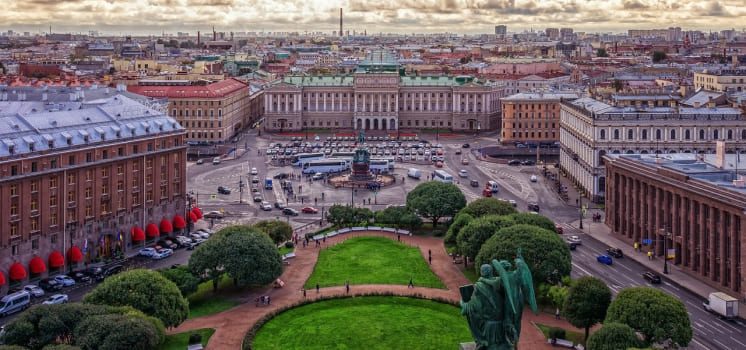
(85, 245)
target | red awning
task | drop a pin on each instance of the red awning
(37, 265)
(2, 279)
(74, 254)
(56, 259)
(197, 212)
(178, 222)
(151, 230)
(137, 234)
(166, 226)
(193, 217)
(17, 272)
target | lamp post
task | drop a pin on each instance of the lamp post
(190, 196)
(577, 202)
(666, 234)
(70, 227)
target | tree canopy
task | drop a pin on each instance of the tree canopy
(435, 200)
(657, 315)
(278, 231)
(535, 220)
(488, 206)
(546, 254)
(613, 336)
(184, 279)
(144, 290)
(250, 258)
(586, 302)
(659, 56)
(206, 261)
(472, 236)
(116, 332)
(461, 220)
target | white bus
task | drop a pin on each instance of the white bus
(390, 161)
(379, 166)
(325, 166)
(303, 158)
(343, 155)
(442, 176)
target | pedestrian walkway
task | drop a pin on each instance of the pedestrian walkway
(676, 275)
(231, 325)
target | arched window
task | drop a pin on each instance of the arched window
(602, 134)
(730, 134)
(701, 134)
(743, 134)
(715, 134)
(645, 134)
(658, 134)
(630, 134)
(616, 134)
(673, 134)
(687, 134)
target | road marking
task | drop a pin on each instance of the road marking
(721, 344)
(671, 285)
(582, 269)
(743, 346)
(625, 267)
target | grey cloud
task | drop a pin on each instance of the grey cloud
(634, 5)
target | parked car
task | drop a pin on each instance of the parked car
(183, 241)
(50, 285)
(574, 239)
(513, 202)
(65, 280)
(164, 253)
(527, 162)
(438, 164)
(33, 290)
(56, 299)
(200, 161)
(533, 207)
(309, 210)
(605, 259)
(651, 277)
(149, 251)
(204, 233)
(167, 244)
(93, 272)
(265, 206)
(213, 215)
(111, 270)
(615, 252)
(290, 211)
(223, 190)
(80, 277)
(514, 162)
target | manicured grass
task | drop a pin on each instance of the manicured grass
(204, 302)
(284, 250)
(372, 260)
(575, 337)
(180, 341)
(366, 323)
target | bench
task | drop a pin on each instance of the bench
(288, 256)
(560, 342)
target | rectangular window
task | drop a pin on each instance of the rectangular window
(34, 167)
(14, 208)
(105, 154)
(34, 243)
(71, 196)
(71, 160)
(88, 175)
(53, 222)
(52, 201)
(89, 211)
(88, 157)
(120, 169)
(34, 186)
(53, 163)
(52, 182)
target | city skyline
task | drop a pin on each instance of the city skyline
(142, 17)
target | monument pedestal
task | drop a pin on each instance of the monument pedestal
(467, 346)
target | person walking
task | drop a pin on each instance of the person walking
(304, 292)
(557, 314)
(317, 288)
(347, 285)
(430, 259)
(268, 300)
(650, 255)
(411, 282)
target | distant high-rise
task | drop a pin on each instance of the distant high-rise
(340, 22)
(501, 30)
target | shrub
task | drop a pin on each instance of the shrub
(556, 333)
(289, 245)
(195, 338)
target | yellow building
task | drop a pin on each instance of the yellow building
(724, 81)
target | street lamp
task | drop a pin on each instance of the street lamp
(577, 202)
(666, 234)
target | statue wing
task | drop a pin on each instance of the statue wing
(526, 282)
(506, 282)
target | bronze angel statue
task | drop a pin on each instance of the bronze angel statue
(494, 304)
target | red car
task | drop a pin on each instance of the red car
(439, 164)
(559, 228)
(309, 210)
(486, 193)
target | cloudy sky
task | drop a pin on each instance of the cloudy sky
(398, 16)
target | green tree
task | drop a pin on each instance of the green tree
(488, 206)
(251, 258)
(340, 215)
(207, 263)
(411, 221)
(461, 220)
(183, 278)
(435, 200)
(391, 215)
(587, 302)
(557, 295)
(473, 235)
(657, 315)
(116, 332)
(278, 231)
(144, 290)
(544, 251)
(48, 324)
(613, 336)
(602, 52)
(360, 215)
(534, 220)
(56, 347)
(659, 56)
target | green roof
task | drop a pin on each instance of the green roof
(325, 80)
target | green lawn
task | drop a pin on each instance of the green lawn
(575, 337)
(372, 260)
(284, 250)
(204, 302)
(180, 341)
(366, 323)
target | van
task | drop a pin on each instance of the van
(216, 160)
(14, 302)
(414, 173)
(268, 183)
(492, 186)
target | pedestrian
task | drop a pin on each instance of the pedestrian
(398, 237)
(635, 246)
(268, 300)
(317, 288)
(650, 255)
(430, 259)
(347, 285)
(261, 298)
(315, 200)
(557, 314)
(304, 292)
(411, 282)
(256, 301)
(324, 238)
(429, 253)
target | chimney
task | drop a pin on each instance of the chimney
(720, 154)
(710, 102)
(740, 182)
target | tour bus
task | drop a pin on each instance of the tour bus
(379, 166)
(326, 166)
(303, 158)
(389, 160)
(442, 176)
(343, 155)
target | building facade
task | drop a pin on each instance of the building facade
(81, 181)
(589, 129)
(214, 112)
(688, 206)
(727, 80)
(532, 117)
(376, 97)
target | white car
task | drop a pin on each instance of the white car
(318, 176)
(574, 239)
(164, 253)
(146, 252)
(64, 280)
(34, 290)
(266, 206)
(56, 299)
(463, 173)
(254, 171)
(533, 178)
(317, 138)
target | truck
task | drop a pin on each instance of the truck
(722, 304)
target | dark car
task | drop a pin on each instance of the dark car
(80, 277)
(615, 252)
(167, 243)
(93, 272)
(223, 190)
(572, 245)
(514, 162)
(50, 285)
(474, 183)
(528, 162)
(281, 176)
(533, 207)
(466, 145)
(111, 270)
(290, 211)
(651, 277)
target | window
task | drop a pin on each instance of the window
(34, 205)
(14, 208)
(602, 134)
(71, 160)
(35, 242)
(715, 134)
(616, 134)
(34, 186)
(120, 169)
(730, 134)
(88, 157)
(630, 134)
(52, 182)
(71, 196)
(88, 192)
(53, 163)
(88, 175)
(34, 167)
(658, 134)
(53, 222)
(687, 134)
(673, 134)
(70, 179)
(105, 172)
(89, 211)
(644, 134)
(149, 163)
(120, 185)
(52, 201)
(105, 189)
(14, 170)
(701, 134)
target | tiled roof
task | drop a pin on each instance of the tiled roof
(215, 90)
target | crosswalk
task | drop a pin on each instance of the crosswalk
(518, 187)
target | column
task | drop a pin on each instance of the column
(429, 103)
(422, 99)
(332, 107)
(711, 252)
(308, 101)
(388, 102)
(721, 247)
(271, 106)
(396, 108)
(380, 102)
(701, 232)
(734, 245)
(325, 108)
(355, 108)
(317, 102)
(364, 102)
(266, 103)
(286, 101)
